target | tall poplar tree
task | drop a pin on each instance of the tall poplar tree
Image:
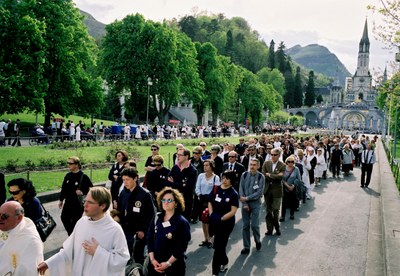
(298, 89)
(309, 99)
(271, 55)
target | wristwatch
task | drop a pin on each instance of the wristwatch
(168, 263)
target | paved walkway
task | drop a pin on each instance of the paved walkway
(343, 230)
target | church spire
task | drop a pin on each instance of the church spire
(364, 42)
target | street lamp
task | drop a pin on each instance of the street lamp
(149, 84)
(240, 101)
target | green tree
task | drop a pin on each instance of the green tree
(273, 77)
(188, 24)
(22, 57)
(319, 99)
(271, 55)
(298, 89)
(309, 99)
(135, 50)
(289, 100)
(70, 62)
(281, 58)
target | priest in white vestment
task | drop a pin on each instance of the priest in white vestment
(97, 246)
(21, 249)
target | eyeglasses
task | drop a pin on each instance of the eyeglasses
(157, 165)
(274, 154)
(231, 156)
(195, 152)
(14, 192)
(154, 149)
(180, 154)
(169, 200)
(288, 162)
(202, 145)
(71, 163)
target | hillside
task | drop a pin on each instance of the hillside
(319, 59)
(96, 29)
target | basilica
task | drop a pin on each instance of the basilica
(352, 107)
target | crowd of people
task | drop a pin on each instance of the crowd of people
(207, 186)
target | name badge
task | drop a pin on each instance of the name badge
(217, 199)
(255, 187)
(116, 171)
(166, 224)
(136, 210)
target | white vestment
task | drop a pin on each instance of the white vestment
(110, 257)
(21, 250)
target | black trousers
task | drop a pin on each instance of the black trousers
(70, 216)
(335, 168)
(221, 238)
(366, 171)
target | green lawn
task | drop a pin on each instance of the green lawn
(52, 180)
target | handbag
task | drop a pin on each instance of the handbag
(45, 225)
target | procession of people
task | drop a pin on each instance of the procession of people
(284, 176)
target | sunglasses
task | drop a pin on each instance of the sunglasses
(157, 165)
(71, 163)
(154, 149)
(274, 154)
(169, 200)
(202, 145)
(195, 152)
(232, 156)
(14, 192)
(289, 162)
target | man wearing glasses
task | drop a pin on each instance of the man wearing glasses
(233, 165)
(252, 155)
(183, 177)
(97, 245)
(273, 171)
(197, 163)
(21, 249)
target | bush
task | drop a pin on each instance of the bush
(46, 162)
(11, 165)
(30, 165)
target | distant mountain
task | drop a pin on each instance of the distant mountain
(95, 28)
(319, 59)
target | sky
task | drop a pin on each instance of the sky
(335, 24)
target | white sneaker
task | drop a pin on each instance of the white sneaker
(223, 268)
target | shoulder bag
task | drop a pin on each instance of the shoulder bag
(45, 225)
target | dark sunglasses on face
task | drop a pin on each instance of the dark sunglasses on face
(154, 149)
(288, 162)
(231, 156)
(195, 152)
(274, 154)
(71, 163)
(14, 192)
(158, 165)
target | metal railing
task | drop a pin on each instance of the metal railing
(394, 163)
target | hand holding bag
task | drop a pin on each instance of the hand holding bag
(45, 225)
